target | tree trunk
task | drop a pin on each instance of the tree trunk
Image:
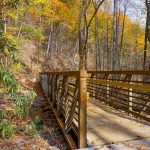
(115, 36)
(147, 32)
(148, 18)
(122, 34)
(49, 39)
(107, 42)
(81, 53)
(97, 44)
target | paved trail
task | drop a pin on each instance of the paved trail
(106, 125)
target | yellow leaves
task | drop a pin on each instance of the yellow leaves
(11, 14)
(140, 41)
(60, 10)
(16, 68)
(9, 36)
(53, 10)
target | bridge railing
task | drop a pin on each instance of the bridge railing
(67, 96)
(67, 93)
(124, 90)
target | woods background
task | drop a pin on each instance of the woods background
(117, 37)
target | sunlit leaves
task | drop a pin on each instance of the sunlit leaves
(53, 10)
(9, 82)
(32, 33)
(23, 103)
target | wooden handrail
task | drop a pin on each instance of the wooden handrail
(76, 73)
(121, 85)
(64, 73)
(133, 72)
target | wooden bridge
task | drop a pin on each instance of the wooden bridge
(99, 105)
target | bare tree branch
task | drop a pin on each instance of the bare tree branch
(88, 24)
(95, 13)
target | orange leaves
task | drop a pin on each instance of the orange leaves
(51, 10)
(33, 15)
(60, 10)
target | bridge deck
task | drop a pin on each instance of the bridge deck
(107, 125)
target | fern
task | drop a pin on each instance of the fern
(23, 103)
(3, 115)
(6, 130)
(8, 81)
(9, 51)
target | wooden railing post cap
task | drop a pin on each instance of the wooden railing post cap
(83, 74)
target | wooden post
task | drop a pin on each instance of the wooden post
(107, 91)
(48, 76)
(130, 94)
(92, 86)
(82, 139)
(52, 89)
(130, 98)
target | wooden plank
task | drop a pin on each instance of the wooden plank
(64, 94)
(64, 73)
(123, 89)
(76, 73)
(68, 138)
(133, 72)
(122, 85)
(69, 119)
(120, 98)
(127, 76)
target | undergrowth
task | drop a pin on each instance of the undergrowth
(33, 127)
(17, 105)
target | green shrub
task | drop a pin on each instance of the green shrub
(33, 127)
(23, 104)
(3, 114)
(6, 130)
(29, 130)
(37, 123)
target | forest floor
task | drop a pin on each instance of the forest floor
(49, 137)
